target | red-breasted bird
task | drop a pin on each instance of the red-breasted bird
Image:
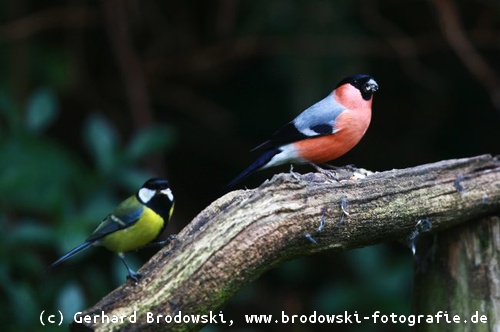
(323, 132)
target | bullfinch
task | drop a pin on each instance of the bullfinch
(323, 132)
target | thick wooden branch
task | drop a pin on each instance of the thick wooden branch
(247, 232)
(461, 277)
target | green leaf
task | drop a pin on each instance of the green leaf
(131, 178)
(30, 233)
(22, 304)
(37, 175)
(150, 140)
(9, 112)
(41, 110)
(102, 141)
(70, 300)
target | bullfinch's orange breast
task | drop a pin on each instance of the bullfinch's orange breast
(350, 125)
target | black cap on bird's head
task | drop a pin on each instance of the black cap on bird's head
(156, 184)
(364, 83)
(156, 194)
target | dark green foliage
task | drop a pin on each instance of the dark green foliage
(52, 200)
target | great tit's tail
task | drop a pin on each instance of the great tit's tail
(71, 253)
(256, 165)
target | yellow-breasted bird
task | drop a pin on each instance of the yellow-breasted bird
(136, 222)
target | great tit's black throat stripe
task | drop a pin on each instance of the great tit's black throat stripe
(161, 205)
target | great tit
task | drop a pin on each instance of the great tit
(135, 223)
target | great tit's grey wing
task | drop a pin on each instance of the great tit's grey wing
(125, 215)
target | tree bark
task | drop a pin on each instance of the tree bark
(247, 232)
(459, 274)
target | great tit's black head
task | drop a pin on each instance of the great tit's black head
(156, 194)
(364, 83)
(155, 188)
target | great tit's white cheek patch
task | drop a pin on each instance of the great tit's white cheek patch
(168, 193)
(146, 194)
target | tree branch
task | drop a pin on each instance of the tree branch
(454, 32)
(462, 276)
(245, 233)
(53, 18)
(129, 62)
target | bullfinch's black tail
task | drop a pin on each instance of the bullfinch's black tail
(71, 253)
(256, 165)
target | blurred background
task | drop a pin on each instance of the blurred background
(97, 96)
